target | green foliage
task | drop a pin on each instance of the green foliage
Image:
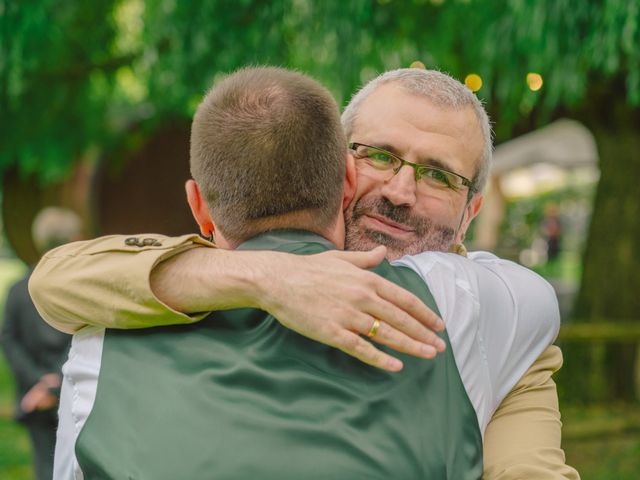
(55, 72)
(77, 74)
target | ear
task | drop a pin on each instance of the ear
(199, 208)
(472, 210)
(350, 181)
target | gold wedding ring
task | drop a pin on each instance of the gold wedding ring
(374, 329)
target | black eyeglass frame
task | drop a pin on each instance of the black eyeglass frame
(417, 167)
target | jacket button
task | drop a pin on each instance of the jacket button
(151, 242)
(132, 241)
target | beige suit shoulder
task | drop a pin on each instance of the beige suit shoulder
(105, 282)
(127, 243)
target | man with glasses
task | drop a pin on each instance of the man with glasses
(430, 180)
(435, 178)
(406, 118)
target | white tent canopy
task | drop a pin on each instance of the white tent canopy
(559, 154)
(565, 143)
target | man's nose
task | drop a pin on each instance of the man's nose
(401, 189)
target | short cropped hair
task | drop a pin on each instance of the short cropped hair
(268, 151)
(440, 89)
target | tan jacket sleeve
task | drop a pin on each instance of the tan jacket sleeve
(522, 440)
(105, 282)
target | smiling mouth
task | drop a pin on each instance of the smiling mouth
(384, 224)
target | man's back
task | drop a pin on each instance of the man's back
(239, 396)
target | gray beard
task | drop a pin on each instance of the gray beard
(429, 236)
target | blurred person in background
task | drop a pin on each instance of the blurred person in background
(552, 230)
(35, 351)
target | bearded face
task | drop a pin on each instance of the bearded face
(415, 234)
(401, 211)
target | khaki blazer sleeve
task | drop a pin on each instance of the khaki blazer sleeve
(105, 282)
(522, 440)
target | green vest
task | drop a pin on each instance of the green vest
(237, 396)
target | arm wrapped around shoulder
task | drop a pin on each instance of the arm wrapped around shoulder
(105, 282)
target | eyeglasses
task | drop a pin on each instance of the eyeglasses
(436, 177)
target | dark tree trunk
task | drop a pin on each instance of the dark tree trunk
(610, 287)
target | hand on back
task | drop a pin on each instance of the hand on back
(337, 301)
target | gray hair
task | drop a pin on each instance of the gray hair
(54, 226)
(440, 89)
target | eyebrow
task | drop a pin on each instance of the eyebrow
(429, 162)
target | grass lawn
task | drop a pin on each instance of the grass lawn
(614, 458)
(603, 442)
(15, 450)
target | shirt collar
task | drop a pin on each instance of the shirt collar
(274, 239)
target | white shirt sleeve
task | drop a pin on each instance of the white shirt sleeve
(499, 317)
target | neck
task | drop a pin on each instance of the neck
(334, 233)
